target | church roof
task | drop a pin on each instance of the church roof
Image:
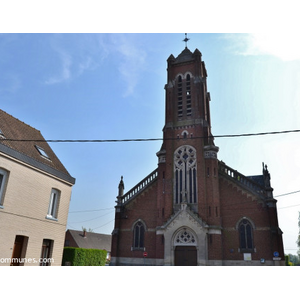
(259, 179)
(187, 55)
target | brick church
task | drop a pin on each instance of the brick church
(194, 209)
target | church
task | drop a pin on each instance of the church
(194, 210)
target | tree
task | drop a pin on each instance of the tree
(293, 260)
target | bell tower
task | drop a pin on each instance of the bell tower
(187, 160)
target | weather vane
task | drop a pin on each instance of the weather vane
(186, 40)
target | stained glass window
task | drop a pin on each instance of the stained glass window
(246, 235)
(138, 235)
(185, 174)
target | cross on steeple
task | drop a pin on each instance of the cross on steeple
(186, 40)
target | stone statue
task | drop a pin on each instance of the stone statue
(267, 176)
(121, 187)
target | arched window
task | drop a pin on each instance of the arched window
(179, 96)
(138, 235)
(185, 173)
(246, 236)
(188, 96)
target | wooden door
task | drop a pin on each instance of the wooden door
(17, 251)
(185, 256)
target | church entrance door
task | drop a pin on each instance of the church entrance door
(185, 256)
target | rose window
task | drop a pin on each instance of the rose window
(185, 237)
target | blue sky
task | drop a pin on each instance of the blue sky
(111, 86)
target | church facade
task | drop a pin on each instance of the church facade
(194, 209)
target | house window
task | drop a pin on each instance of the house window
(53, 204)
(3, 180)
(185, 173)
(1, 134)
(45, 259)
(246, 236)
(138, 235)
(42, 152)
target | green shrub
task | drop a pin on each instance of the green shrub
(83, 257)
(287, 261)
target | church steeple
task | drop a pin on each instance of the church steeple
(188, 143)
(187, 99)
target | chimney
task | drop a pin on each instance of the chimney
(84, 233)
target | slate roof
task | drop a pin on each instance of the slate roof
(259, 179)
(13, 129)
(92, 240)
(186, 55)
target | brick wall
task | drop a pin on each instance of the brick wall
(142, 207)
(236, 204)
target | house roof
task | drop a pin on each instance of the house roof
(91, 240)
(35, 152)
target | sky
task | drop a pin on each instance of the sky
(111, 86)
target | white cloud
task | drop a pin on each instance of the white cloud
(285, 45)
(132, 61)
(65, 73)
(76, 54)
(79, 53)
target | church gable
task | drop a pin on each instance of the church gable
(183, 218)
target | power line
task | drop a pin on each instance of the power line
(288, 206)
(92, 218)
(111, 208)
(104, 224)
(287, 194)
(256, 134)
(92, 210)
(150, 139)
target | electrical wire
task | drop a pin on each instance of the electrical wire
(104, 224)
(232, 204)
(92, 218)
(287, 194)
(92, 210)
(151, 139)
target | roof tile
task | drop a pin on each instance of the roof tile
(13, 129)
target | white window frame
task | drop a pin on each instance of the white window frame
(42, 152)
(53, 205)
(1, 134)
(4, 173)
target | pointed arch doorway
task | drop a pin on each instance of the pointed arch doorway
(185, 250)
